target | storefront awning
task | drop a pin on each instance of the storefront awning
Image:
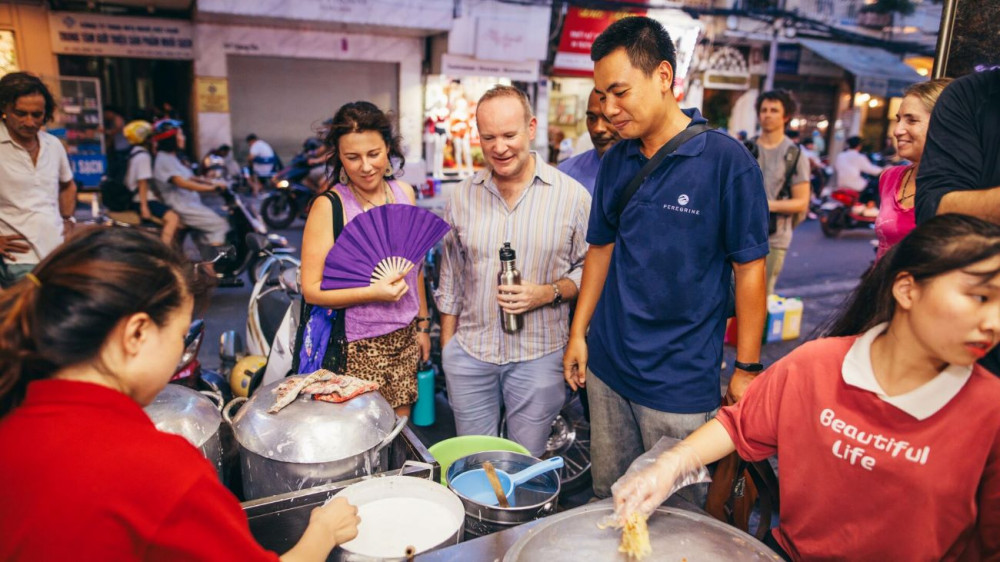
(876, 71)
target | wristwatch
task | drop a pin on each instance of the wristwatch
(558, 298)
(749, 367)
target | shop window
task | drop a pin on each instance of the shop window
(8, 53)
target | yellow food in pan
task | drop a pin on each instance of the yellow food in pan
(635, 538)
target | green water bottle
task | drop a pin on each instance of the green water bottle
(423, 410)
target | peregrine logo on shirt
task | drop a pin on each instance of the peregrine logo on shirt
(682, 201)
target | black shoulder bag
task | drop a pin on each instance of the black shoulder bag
(335, 358)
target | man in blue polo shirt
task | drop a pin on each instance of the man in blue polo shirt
(656, 280)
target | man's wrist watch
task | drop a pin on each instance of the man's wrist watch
(70, 218)
(753, 368)
(557, 300)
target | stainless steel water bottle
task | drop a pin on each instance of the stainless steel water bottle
(509, 275)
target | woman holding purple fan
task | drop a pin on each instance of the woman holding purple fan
(385, 327)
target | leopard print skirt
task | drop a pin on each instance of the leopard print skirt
(391, 361)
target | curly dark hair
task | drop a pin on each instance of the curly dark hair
(783, 96)
(19, 84)
(358, 117)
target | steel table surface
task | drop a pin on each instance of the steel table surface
(493, 547)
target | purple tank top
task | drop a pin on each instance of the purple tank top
(374, 319)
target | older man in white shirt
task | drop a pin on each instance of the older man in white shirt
(37, 192)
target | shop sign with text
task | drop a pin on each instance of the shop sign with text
(581, 27)
(458, 66)
(75, 33)
(427, 15)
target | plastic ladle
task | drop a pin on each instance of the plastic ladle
(475, 485)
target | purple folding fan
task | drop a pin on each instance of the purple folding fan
(386, 241)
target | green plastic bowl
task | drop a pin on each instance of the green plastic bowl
(450, 450)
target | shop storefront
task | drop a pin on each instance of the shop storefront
(849, 90)
(139, 67)
(280, 77)
(493, 44)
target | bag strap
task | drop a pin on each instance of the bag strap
(791, 162)
(338, 212)
(654, 162)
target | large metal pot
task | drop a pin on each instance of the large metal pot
(401, 516)
(309, 442)
(192, 415)
(534, 499)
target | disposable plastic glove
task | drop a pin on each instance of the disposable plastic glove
(653, 477)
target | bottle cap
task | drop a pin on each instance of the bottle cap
(506, 252)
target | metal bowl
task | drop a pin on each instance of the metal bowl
(192, 415)
(536, 498)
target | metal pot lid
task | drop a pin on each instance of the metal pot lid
(312, 431)
(185, 412)
(673, 533)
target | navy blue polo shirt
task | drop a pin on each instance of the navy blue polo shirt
(656, 335)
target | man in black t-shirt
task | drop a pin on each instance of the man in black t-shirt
(960, 168)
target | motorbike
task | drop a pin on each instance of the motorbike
(843, 211)
(289, 200)
(242, 221)
(291, 195)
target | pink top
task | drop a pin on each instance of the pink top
(374, 319)
(893, 222)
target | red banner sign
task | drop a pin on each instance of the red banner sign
(581, 27)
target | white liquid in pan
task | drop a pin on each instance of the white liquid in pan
(391, 525)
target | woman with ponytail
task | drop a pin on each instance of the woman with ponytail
(87, 339)
(887, 435)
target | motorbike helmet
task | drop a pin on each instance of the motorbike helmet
(243, 372)
(136, 132)
(165, 128)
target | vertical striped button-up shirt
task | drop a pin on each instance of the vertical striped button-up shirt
(546, 227)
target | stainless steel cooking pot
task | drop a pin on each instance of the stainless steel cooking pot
(310, 442)
(401, 516)
(192, 415)
(534, 499)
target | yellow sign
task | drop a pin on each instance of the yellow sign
(213, 94)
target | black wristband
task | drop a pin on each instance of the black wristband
(749, 367)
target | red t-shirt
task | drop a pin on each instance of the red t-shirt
(861, 479)
(85, 475)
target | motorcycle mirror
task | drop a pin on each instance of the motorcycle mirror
(257, 242)
(230, 346)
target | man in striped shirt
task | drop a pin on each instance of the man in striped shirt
(543, 213)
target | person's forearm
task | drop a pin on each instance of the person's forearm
(192, 184)
(595, 272)
(337, 298)
(788, 206)
(144, 193)
(567, 288)
(751, 309)
(982, 203)
(67, 199)
(449, 322)
(710, 442)
(422, 294)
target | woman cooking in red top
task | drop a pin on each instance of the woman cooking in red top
(888, 438)
(86, 340)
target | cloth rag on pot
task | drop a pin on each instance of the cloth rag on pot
(321, 385)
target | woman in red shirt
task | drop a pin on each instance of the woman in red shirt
(887, 437)
(86, 340)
